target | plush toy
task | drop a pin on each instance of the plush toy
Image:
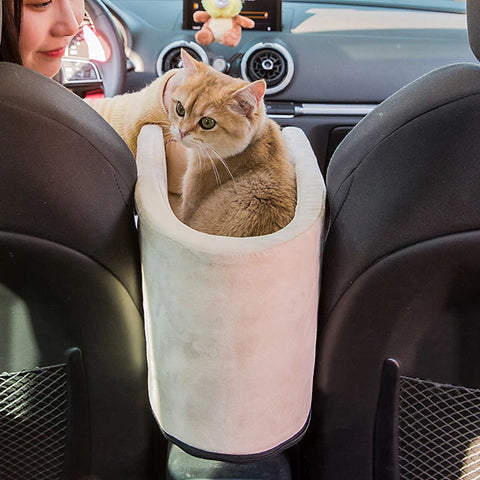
(221, 22)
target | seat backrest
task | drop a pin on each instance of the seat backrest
(73, 395)
(400, 295)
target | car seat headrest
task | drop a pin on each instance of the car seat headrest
(473, 24)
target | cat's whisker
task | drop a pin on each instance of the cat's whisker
(217, 175)
(223, 162)
(203, 155)
(199, 158)
(199, 154)
(206, 155)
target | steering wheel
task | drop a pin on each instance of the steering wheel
(113, 71)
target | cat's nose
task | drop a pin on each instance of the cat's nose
(183, 134)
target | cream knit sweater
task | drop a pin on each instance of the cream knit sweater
(129, 112)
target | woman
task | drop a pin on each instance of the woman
(35, 33)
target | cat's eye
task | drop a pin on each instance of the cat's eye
(207, 123)
(180, 110)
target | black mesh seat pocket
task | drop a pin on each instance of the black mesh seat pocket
(439, 431)
(44, 422)
(33, 423)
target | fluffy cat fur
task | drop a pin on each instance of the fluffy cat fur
(238, 181)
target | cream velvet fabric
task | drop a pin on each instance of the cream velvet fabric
(230, 322)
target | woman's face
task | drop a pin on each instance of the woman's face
(46, 29)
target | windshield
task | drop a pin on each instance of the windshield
(438, 5)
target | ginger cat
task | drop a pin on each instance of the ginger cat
(238, 181)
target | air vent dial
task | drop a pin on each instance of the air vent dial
(170, 56)
(269, 61)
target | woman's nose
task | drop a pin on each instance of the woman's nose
(69, 18)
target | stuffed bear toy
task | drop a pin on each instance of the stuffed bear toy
(221, 22)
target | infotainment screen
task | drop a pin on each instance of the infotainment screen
(267, 14)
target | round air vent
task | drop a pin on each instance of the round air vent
(269, 61)
(170, 56)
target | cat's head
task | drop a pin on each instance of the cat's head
(213, 113)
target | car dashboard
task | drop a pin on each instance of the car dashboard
(327, 66)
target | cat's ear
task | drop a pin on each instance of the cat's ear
(248, 98)
(189, 63)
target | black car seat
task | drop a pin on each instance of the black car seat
(397, 386)
(73, 382)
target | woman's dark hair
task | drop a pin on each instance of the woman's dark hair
(11, 18)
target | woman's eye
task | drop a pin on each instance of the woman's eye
(41, 5)
(207, 123)
(180, 110)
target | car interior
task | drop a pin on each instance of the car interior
(381, 101)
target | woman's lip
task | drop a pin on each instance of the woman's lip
(59, 52)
